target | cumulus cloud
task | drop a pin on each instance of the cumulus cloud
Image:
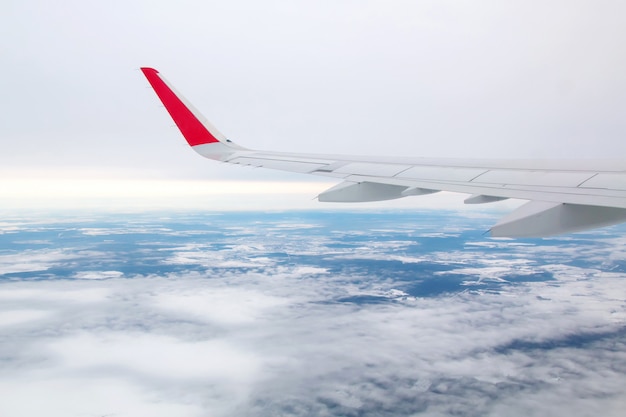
(304, 323)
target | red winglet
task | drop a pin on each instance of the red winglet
(192, 129)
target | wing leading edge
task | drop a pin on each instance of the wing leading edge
(564, 196)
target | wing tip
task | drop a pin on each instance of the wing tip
(195, 129)
(147, 70)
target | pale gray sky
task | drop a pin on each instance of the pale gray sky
(430, 78)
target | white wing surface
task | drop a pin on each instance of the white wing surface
(564, 195)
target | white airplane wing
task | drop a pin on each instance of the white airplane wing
(564, 195)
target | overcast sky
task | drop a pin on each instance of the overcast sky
(431, 78)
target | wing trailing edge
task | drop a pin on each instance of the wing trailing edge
(564, 196)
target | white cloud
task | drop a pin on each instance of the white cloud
(224, 306)
(262, 343)
(13, 317)
(318, 331)
(74, 395)
(98, 274)
(44, 292)
(156, 356)
(32, 260)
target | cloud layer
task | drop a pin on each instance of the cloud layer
(351, 314)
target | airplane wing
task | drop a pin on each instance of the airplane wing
(564, 195)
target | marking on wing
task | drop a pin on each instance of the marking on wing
(610, 181)
(371, 169)
(441, 173)
(535, 178)
(304, 167)
(332, 167)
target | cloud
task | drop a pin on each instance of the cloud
(226, 307)
(313, 331)
(13, 317)
(98, 274)
(32, 260)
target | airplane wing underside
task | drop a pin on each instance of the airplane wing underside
(564, 196)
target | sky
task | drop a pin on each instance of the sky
(523, 79)
(82, 128)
